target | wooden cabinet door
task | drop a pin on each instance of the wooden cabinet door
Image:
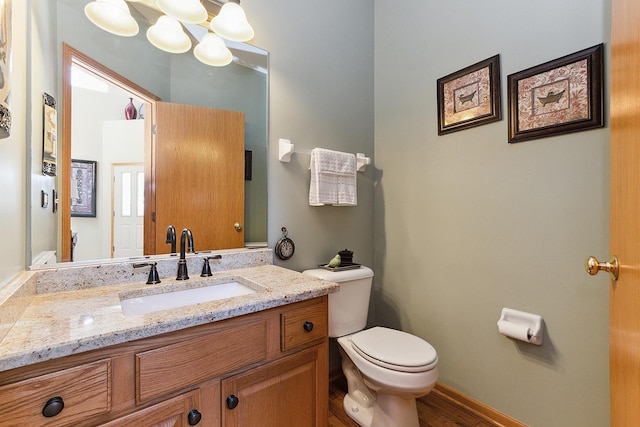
(287, 392)
(197, 177)
(170, 413)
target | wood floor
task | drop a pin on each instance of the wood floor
(433, 410)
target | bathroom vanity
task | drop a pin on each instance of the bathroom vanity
(257, 359)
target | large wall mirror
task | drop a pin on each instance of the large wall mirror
(180, 79)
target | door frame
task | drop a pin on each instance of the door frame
(70, 57)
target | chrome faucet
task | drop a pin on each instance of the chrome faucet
(182, 262)
(171, 238)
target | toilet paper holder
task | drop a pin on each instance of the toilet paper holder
(521, 325)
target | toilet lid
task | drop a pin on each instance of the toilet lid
(395, 349)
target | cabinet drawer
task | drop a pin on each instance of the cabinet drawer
(302, 326)
(85, 391)
(174, 367)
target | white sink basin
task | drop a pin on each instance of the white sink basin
(166, 297)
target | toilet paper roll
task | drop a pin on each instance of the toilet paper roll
(514, 330)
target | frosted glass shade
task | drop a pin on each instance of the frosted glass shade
(167, 34)
(191, 11)
(112, 16)
(231, 23)
(212, 51)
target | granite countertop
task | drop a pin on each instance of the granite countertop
(66, 322)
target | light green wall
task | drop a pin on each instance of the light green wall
(321, 95)
(466, 224)
(43, 78)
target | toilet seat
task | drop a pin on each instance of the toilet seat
(396, 350)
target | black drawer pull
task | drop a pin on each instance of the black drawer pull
(308, 326)
(194, 417)
(232, 401)
(53, 407)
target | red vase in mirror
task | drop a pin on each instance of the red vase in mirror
(130, 112)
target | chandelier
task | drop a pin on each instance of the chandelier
(168, 34)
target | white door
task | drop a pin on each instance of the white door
(127, 230)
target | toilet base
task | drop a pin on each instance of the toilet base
(387, 411)
(362, 415)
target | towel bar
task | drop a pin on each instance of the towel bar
(286, 149)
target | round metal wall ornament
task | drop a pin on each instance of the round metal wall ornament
(284, 247)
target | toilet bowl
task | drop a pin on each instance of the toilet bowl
(386, 369)
(395, 367)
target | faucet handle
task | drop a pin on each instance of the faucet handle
(171, 238)
(153, 272)
(206, 268)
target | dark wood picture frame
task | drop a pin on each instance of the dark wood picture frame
(248, 165)
(470, 97)
(5, 68)
(558, 97)
(50, 135)
(83, 188)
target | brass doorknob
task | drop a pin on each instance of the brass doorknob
(593, 266)
(237, 226)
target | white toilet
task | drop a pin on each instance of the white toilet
(386, 369)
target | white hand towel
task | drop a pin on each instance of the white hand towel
(333, 178)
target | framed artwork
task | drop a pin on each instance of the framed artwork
(469, 97)
(83, 188)
(50, 138)
(248, 165)
(5, 68)
(560, 96)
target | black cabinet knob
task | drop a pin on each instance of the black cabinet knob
(194, 417)
(308, 326)
(53, 407)
(232, 401)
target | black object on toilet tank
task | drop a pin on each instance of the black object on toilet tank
(346, 257)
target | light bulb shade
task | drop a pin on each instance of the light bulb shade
(191, 11)
(167, 34)
(212, 51)
(112, 16)
(231, 23)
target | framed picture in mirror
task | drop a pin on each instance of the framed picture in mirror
(248, 165)
(83, 188)
(5, 68)
(50, 137)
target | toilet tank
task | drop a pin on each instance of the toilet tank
(349, 307)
